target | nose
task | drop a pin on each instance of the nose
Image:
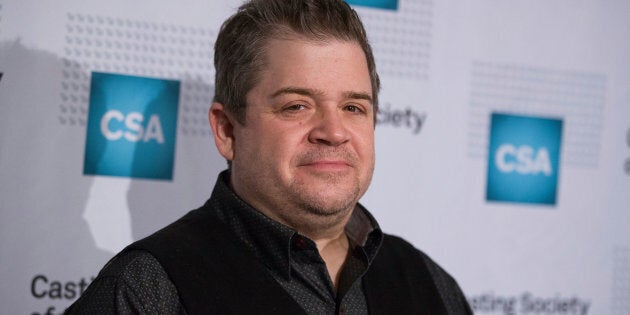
(329, 128)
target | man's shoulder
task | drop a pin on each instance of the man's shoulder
(409, 271)
(396, 251)
(132, 264)
(196, 235)
(400, 245)
(132, 281)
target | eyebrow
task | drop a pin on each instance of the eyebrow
(313, 93)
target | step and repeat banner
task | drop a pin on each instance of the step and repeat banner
(503, 141)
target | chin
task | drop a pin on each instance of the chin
(331, 204)
(329, 209)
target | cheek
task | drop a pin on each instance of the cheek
(276, 147)
(365, 141)
(251, 148)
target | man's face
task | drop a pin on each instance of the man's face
(306, 149)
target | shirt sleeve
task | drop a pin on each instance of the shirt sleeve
(131, 283)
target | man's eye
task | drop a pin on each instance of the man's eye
(295, 107)
(354, 109)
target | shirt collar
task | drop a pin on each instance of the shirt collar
(270, 240)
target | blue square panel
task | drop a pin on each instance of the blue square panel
(379, 4)
(132, 125)
(523, 159)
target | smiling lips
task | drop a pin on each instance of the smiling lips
(328, 165)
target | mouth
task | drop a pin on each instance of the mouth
(327, 165)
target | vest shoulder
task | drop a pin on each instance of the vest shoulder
(397, 250)
(399, 259)
(395, 246)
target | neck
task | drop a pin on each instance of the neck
(329, 236)
(334, 252)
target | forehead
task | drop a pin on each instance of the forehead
(326, 65)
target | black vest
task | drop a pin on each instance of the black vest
(215, 274)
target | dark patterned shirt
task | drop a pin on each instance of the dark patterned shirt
(136, 282)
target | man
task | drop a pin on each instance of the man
(294, 114)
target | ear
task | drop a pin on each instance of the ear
(222, 129)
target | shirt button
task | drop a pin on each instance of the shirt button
(299, 243)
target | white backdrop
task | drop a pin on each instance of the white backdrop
(446, 66)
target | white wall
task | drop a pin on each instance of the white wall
(445, 67)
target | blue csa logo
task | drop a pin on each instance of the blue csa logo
(131, 126)
(523, 161)
(380, 4)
